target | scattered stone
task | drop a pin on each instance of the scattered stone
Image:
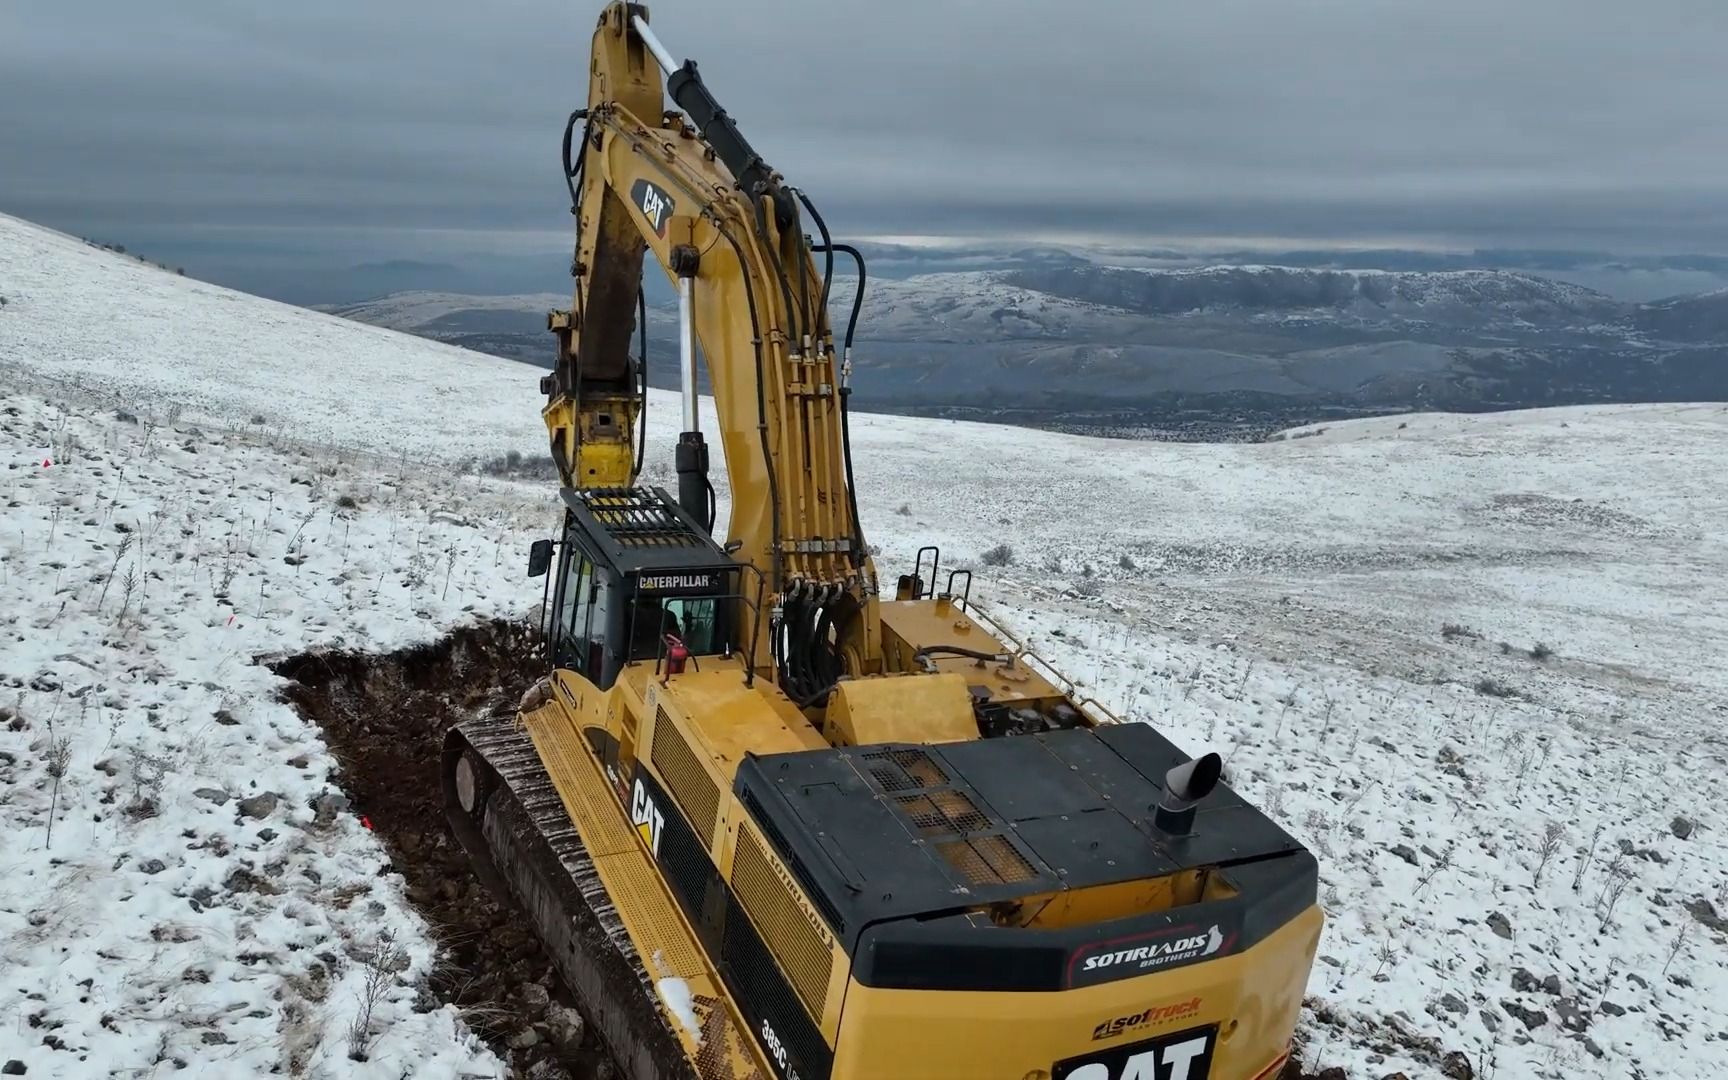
(1590, 1045)
(1456, 1066)
(1452, 1003)
(215, 795)
(327, 807)
(564, 1027)
(523, 1039)
(213, 1038)
(226, 718)
(1551, 985)
(1530, 1018)
(1490, 1019)
(1572, 1018)
(1612, 1009)
(12, 1068)
(536, 997)
(1705, 912)
(266, 835)
(299, 761)
(1405, 852)
(1682, 827)
(1500, 924)
(1524, 982)
(259, 806)
(152, 866)
(1334, 1073)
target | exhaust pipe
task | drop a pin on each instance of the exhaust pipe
(1184, 787)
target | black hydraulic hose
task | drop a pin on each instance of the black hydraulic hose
(922, 656)
(858, 552)
(858, 298)
(812, 327)
(574, 169)
(846, 383)
(641, 383)
(827, 247)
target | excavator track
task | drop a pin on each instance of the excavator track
(504, 810)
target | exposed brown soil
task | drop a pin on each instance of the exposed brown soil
(384, 716)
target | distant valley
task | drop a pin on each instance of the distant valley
(1221, 352)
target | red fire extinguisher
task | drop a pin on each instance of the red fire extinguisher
(676, 655)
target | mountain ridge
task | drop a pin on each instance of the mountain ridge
(1220, 351)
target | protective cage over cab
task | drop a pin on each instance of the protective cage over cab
(637, 579)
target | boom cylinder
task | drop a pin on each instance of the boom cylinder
(684, 83)
(694, 490)
(687, 353)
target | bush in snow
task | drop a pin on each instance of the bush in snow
(1000, 555)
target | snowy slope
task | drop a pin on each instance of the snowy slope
(1282, 602)
(81, 317)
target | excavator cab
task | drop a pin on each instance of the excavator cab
(637, 579)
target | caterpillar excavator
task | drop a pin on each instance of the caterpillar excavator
(770, 821)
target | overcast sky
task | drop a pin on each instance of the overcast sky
(1451, 123)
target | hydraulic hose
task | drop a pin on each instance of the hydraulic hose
(830, 247)
(827, 247)
(858, 298)
(922, 656)
(761, 220)
(641, 384)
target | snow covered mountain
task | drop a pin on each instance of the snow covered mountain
(1478, 663)
(1103, 346)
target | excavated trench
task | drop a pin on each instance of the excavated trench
(384, 716)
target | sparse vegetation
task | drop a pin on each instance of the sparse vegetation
(1552, 835)
(1488, 686)
(1677, 944)
(1458, 630)
(1540, 652)
(1000, 555)
(514, 464)
(379, 964)
(1127, 563)
(905, 510)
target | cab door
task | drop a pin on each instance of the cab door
(582, 614)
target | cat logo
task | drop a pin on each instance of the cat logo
(654, 203)
(646, 817)
(1186, 1055)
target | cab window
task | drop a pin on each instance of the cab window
(694, 620)
(582, 606)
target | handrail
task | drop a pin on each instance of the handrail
(1031, 657)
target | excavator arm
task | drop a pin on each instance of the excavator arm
(688, 190)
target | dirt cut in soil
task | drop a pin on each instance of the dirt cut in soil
(384, 716)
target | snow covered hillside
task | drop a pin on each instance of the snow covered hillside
(1479, 664)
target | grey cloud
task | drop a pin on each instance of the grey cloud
(1470, 121)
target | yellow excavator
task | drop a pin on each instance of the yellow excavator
(769, 821)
